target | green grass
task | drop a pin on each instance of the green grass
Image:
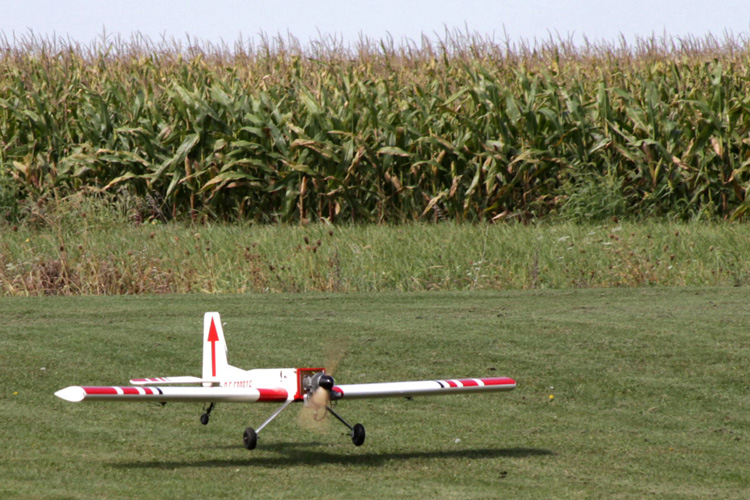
(650, 396)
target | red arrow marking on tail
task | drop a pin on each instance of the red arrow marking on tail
(213, 337)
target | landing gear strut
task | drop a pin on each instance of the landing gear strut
(357, 431)
(319, 392)
(250, 437)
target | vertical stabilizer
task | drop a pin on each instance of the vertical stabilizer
(214, 346)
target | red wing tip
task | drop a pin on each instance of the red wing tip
(498, 381)
(478, 382)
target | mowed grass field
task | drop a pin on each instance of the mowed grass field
(622, 393)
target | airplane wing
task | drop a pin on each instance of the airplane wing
(76, 394)
(167, 393)
(422, 388)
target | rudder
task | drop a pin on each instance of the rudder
(214, 346)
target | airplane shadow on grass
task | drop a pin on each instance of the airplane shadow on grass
(296, 454)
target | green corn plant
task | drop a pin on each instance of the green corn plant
(463, 129)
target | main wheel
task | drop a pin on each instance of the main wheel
(250, 438)
(358, 434)
(204, 419)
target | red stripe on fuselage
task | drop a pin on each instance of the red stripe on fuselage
(272, 395)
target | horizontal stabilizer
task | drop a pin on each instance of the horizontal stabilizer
(173, 380)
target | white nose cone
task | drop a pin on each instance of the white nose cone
(74, 394)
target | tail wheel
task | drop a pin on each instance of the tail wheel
(358, 434)
(250, 439)
(205, 417)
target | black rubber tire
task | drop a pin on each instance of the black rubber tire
(358, 434)
(204, 419)
(250, 439)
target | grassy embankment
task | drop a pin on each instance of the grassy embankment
(650, 396)
(81, 250)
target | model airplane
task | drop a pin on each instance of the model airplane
(313, 387)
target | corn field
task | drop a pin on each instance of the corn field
(464, 129)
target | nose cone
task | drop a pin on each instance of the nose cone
(74, 394)
(326, 382)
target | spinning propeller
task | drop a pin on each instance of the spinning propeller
(318, 397)
(318, 405)
(317, 402)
